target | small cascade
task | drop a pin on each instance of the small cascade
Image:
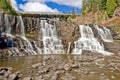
(52, 45)
(1, 22)
(104, 33)
(20, 26)
(6, 29)
(37, 48)
(87, 41)
(25, 44)
(7, 25)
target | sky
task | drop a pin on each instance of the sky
(51, 6)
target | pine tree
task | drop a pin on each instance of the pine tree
(110, 7)
(6, 6)
(102, 4)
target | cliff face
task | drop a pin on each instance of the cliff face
(32, 35)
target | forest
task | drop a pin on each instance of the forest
(108, 6)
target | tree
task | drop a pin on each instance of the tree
(118, 2)
(102, 4)
(86, 10)
(5, 5)
(110, 7)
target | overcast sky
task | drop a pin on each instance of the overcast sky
(64, 6)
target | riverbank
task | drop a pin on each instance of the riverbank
(64, 67)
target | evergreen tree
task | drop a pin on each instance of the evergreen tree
(110, 7)
(5, 5)
(102, 4)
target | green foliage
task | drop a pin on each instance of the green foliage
(99, 19)
(69, 19)
(117, 29)
(118, 2)
(6, 6)
(110, 7)
(102, 4)
(29, 35)
(86, 10)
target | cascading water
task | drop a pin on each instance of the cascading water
(1, 22)
(104, 33)
(50, 40)
(6, 29)
(28, 47)
(87, 41)
(7, 25)
(38, 50)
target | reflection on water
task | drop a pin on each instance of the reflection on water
(20, 63)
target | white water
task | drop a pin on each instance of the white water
(104, 33)
(20, 26)
(87, 41)
(39, 51)
(7, 25)
(1, 22)
(28, 47)
(52, 45)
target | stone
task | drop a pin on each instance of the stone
(68, 76)
(39, 78)
(54, 76)
(36, 65)
(28, 78)
(13, 77)
(7, 73)
(67, 67)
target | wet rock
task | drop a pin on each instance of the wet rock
(14, 76)
(60, 67)
(75, 65)
(47, 76)
(43, 69)
(103, 78)
(36, 65)
(68, 76)
(5, 72)
(67, 67)
(39, 78)
(28, 78)
(54, 76)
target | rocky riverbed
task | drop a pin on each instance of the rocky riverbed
(61, 67)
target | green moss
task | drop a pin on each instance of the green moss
(30, 35)
(117, 41)
(117, 29)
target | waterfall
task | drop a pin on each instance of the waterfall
(7, 26)
(1, 22)
(20, 26)
(104, 33)
(28, 47)
(39, 51)
(87, 41)
(52, 45)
